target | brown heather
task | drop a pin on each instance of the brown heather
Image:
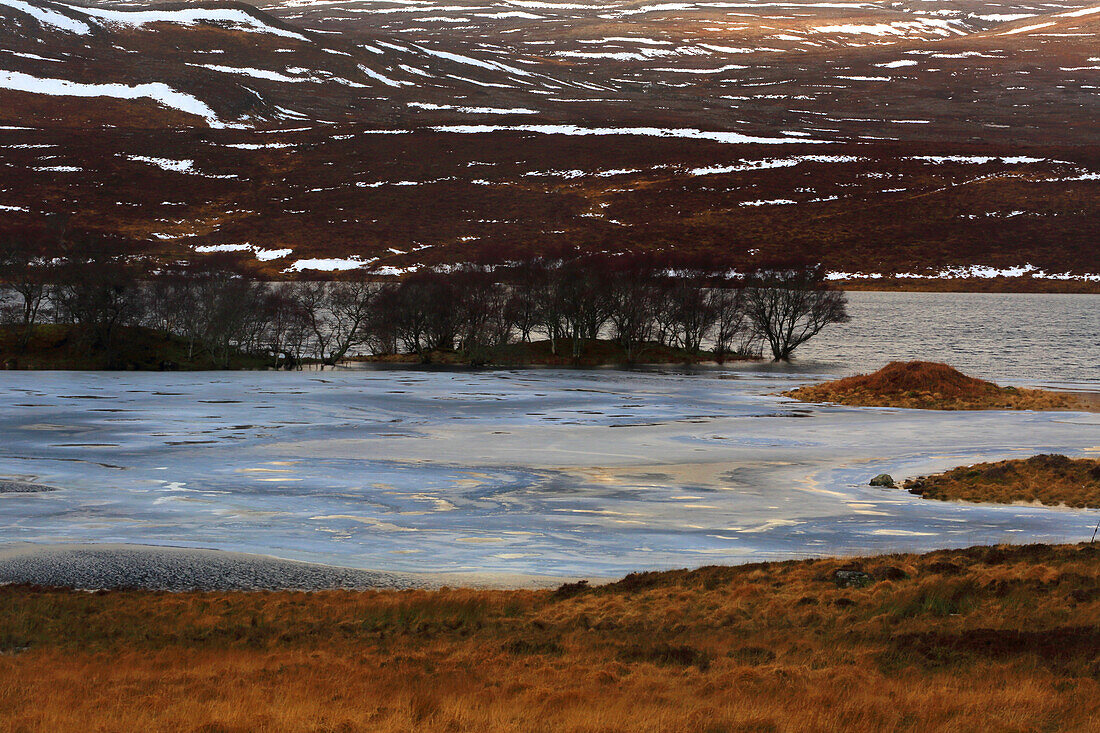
(998, 638)
(1047, 479)
(930, 385)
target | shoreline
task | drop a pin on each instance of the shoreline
(93, 567)
(119, 566)
(980, 286)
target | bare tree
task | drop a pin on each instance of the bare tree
(231, 308)
(482, 304)
(579, 297)
(733, 332)
(286, 329)
(98, 290)
(428, 312)
(382, 331)
(25, 272)
(633, 303)
(422, 313)
(313, 298)
(692, 312)
(790, 305)
(170, 302)
(551, 304)
(349, 305)
(526, 281)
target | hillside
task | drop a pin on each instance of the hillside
(988, 638)
(904, 145)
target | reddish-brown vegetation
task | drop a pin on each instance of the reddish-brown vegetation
(1046, 479)
(934, 386)
(996, 173)
(981, 639)
(278, 199)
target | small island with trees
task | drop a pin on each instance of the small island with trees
(98, 306)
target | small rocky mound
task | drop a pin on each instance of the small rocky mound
(1053, 480)
(932, 386)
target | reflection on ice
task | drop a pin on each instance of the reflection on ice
(541, 471)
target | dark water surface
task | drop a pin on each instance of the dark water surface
(1015, 339)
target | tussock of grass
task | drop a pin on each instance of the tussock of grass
(1047, 479)
(930, 385)
(981, 639)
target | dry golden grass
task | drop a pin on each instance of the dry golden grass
(930, 385)
(1047, 479)
(1002, 639)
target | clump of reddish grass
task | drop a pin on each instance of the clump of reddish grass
(899, 377)
(935, 386)
(1047, 479)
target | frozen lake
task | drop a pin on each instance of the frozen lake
(524, 471)
(555, 472)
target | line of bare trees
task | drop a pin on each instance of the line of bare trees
(570, 299)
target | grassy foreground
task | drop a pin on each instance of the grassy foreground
(1053, 480)
(929, 385)
(998, 638)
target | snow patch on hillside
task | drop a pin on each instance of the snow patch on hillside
(330, 264)
(982, 272)
(165, 164)
(757, 165)
(48, 17)
(233, 18)
(474, 110)
(156, 91)
(574, 130)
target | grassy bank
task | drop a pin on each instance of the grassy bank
(60, 346)
(593, 352)
(1053, 480)
(932, 386)
(55, 346)
(981, 639)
